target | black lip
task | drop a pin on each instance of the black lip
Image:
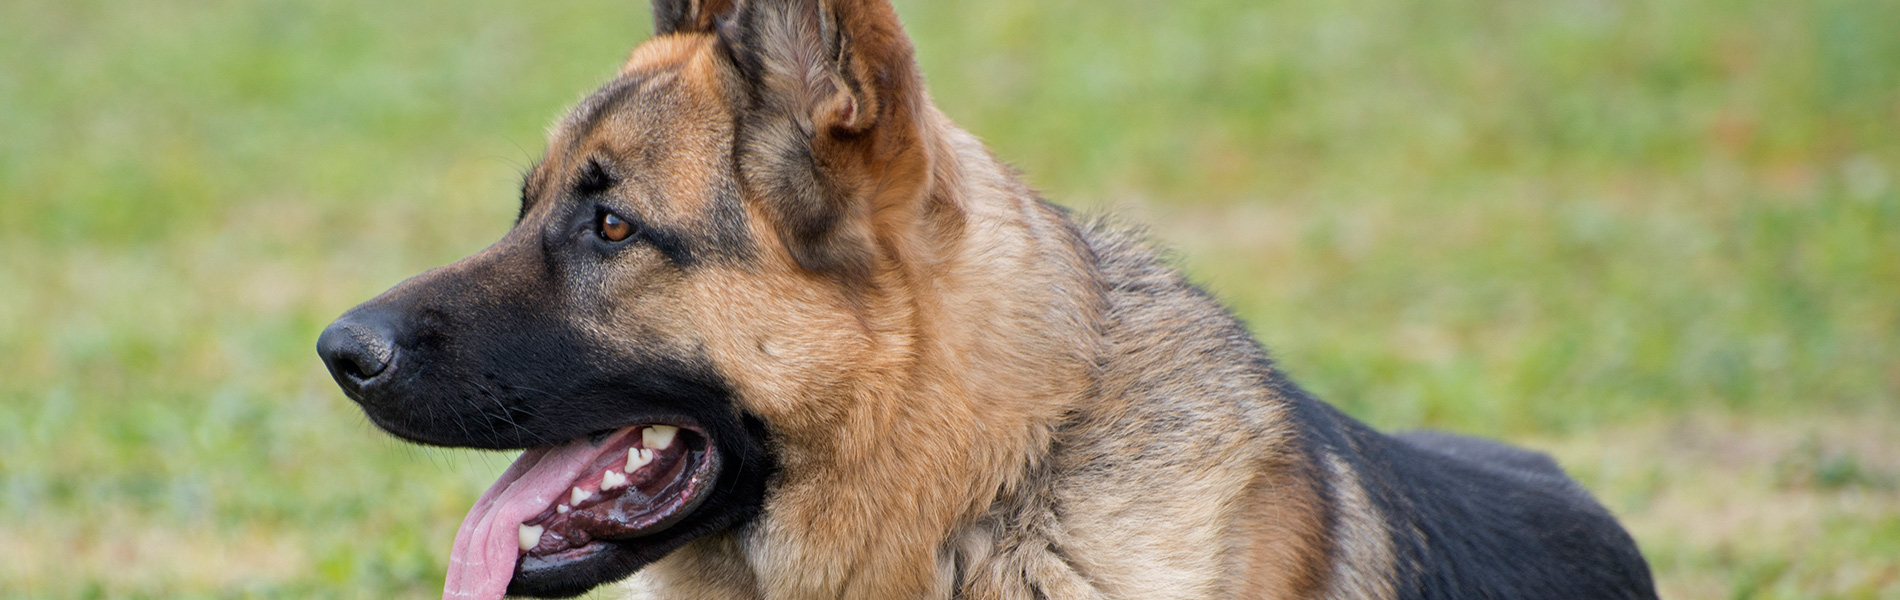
(559, 566)
(578, 571)
(572, 573)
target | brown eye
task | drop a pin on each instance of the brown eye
(614, 229)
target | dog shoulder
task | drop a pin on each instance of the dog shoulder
(1184, 475)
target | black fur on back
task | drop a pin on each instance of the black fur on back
(1474, 518)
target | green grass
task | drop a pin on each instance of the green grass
(1658, 239)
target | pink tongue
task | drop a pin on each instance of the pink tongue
(483, 559)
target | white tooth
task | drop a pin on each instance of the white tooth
(562, 509)
(638, 457)
(577, 496)
(612, 479)
(530, 536)
(658, 437)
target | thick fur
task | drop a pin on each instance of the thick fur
(945, 386)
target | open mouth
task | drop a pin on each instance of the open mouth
(559, 505)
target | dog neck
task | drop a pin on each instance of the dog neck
(982, 329)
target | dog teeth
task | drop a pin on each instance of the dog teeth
(612, 479)
(578, 495)
(562, 509)
(530, 536)
(658, 437)
(638, 457)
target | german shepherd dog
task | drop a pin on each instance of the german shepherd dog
(770, 326)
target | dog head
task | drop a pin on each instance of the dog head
(703, 271)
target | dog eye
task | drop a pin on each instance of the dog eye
(613, 228)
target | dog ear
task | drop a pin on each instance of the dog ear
(834, 134)
(688, 16)
(837, 59)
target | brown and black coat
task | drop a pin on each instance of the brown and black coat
(934, 384)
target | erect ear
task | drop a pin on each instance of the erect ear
(845, 61)
(688, 16)
(833, 133)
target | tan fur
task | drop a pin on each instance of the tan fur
(978, 418)
(1281, 548)
(1363, 565)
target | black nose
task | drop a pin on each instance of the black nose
(357, 352)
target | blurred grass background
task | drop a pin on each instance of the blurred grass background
(1660, 240)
